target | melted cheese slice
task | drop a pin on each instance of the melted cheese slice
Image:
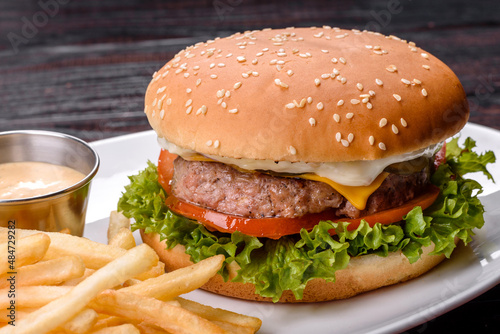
(357, 195)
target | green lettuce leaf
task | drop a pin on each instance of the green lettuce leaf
(288, 263)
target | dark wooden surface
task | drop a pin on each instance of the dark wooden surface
(82, 67)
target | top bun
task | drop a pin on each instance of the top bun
(305, 94)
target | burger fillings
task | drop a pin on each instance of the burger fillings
(300, 119)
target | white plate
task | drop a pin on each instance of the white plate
(470, 271)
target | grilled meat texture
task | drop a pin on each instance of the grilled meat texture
(222, 188)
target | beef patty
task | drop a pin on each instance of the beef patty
(222, 188)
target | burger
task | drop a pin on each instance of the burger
(314, 159)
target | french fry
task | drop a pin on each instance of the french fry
(33, 296)
(117, 221)
(120, 329)
(82, 322)
(29, 250)
(180, 281)
(152, 311)
(75, 281)
(57, 312)
(149, 329)
(221, 316)
(49, 272)
(95, 255)
(123, 239)
(156, 271)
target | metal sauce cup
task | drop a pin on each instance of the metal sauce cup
(54, 211)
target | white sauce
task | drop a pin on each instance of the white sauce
(30, 179)
(351, 173)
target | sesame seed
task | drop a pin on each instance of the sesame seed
(241, 59)
(154, 102)
(196, 68)
(169, 101)
(425, 55)
(290, 73)
(202, 110)
(265, 49)
(244, 75)
(198, 82)
(302, 103)
(344, 142)
(320, 106)
(403, 122)
(365, 100)
(349, 115)
(369, 105)
(292, 150)
(371, 93)
(208, 143)
(417, 82)
(162, 114)
(371, 140)
(212, 65)
(397, 97)
(395, 129)
(359, 86)
(223, 105)
(220, 93)
(229, 55)
(338, 136)
(336, 117)
(406, 82)
(424, 92)
(334, 60)
(318, 35)
(188, 90)
(350, 137)
(325, 75)
(340, 103)
(284, 85)
(309, 99)
(342, 60)
(186, 75)
(312, 121)
(255, 61)
(233, 111)
(188, 103)
(383, 122)
(335, 71)
(427, 67)
(382, 146)
(368, 46)
(213, 76)
(259, 54)
(324, 51)
(221, 64)
(189, 109)
(379, 82)
(317, 82)
(355, 101)
(228, 94)
(281, 54)
(161, 90)
(216, 143)
(343, 80)
(290, 105)
(277, 81)
(391, 68)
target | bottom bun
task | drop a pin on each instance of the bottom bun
(363, 273)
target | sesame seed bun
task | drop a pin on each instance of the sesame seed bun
(306, 94)
(364, 273)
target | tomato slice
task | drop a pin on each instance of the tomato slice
(275, 228)
(166, 169)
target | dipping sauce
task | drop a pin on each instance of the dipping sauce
(30, 179)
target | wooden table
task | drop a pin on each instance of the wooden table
(82, 67)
